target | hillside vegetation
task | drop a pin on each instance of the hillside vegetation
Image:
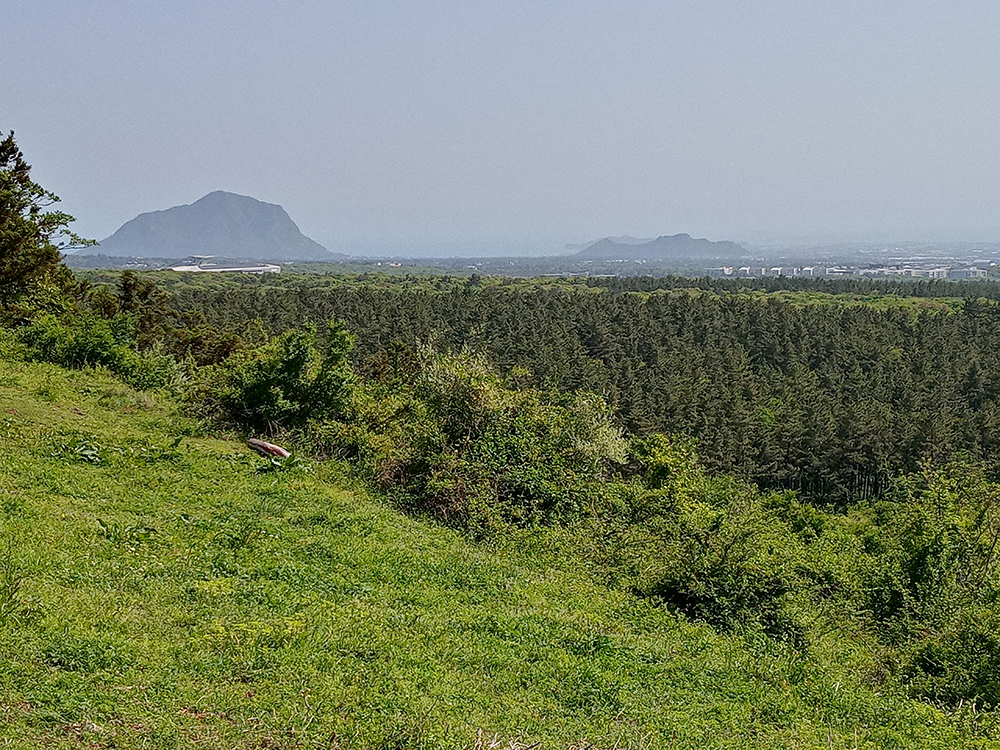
(160, 588)
(524, 514)
(824, 388)
(890, 594)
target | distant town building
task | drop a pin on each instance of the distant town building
(967, 273)
(206, 264)
(908, 270)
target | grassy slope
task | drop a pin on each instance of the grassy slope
(221, 607)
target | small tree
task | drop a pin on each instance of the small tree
(31, 237)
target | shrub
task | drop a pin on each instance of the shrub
(150, 368)
(935, 543)
(959, 663)
(930, 585)
(75, 341)
(85, 340)
(11, 346)
(282, 384)
(707, 547)
(729, 565)
(456, 442)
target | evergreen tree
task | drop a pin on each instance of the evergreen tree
(31, 237)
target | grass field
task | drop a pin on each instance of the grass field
(158, 590)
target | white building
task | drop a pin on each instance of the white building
(205, 264)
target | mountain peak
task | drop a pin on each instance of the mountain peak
(220, 223)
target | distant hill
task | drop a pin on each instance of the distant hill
(222, 224)
(678, 246)
(623, 240)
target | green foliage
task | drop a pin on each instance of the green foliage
(146, 319)
(147, 307)
(284, 610)
(151, 368)
(917, 570)
(83, 449)
(459, 443)
(482, 443)
(129, 534)
(282, 384)
(76, 341)
(957, 661)
(292, 462)
(937, 546)
(931, 582)
(11, 580)
(31, 237)
(707, 547)
(825, 388)
(668, 464)
(730, 565)
(11, 346)
(84, 339)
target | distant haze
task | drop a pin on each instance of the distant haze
(474, 127)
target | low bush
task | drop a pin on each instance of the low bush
(460, 443)
(282, 384)
(709, 548)
(959, 662)
(84, 339)
(929, 580)
(75, 341)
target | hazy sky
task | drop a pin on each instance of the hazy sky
(518, 125)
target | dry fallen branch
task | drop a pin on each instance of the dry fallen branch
(268, 450)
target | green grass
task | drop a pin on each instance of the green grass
(157, 591)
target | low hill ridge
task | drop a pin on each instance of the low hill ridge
(221, 223)
(662, 248)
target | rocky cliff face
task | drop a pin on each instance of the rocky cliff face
(221, 224)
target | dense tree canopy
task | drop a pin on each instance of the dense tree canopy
(825, 390)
